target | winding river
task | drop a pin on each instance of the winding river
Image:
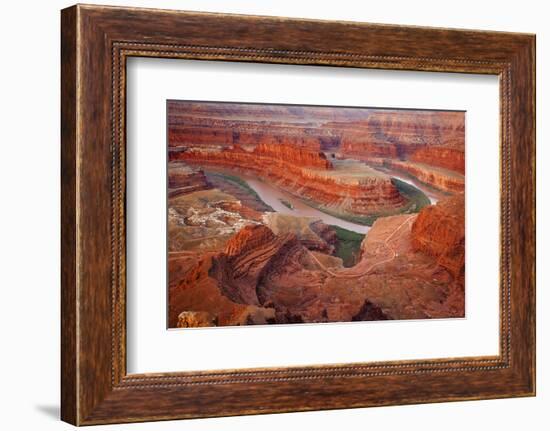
(432, 195)
(273, 197)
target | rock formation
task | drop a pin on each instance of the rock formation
(283, 282)
(193, 292)
(247, 257)
(347, 187)
(195, 319)
(233, 260)
(442, 179)
(439, 232)
(183, 179)
(246, 137)
(443, 157)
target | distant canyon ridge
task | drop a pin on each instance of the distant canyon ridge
(290, 214)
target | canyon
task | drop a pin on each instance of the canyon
(345, 187)
(289, 214)
(406, 270)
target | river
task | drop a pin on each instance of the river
(433, 196)
(273, 196)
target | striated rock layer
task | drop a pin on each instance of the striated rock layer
(316, 127)
(413, 137)
(448, 158)
(234, 261)
(393, 280)
(439, 232)
(439, 178)
(308, 174)
(411, 267)
(246, 258)
(183, 179)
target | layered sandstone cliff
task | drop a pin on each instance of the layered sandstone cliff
(447, 158)
(350, 188)
(246, 258)
(413, 137)
(183, 179)
(196, 299)
(442, 179)
(234, 261)
(439, 232)
(393, 280)
(324, 127)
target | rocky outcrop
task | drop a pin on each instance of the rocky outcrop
(365, 145)
(248, 239)
(447, 158)
(263, 277)
(247, 256)
(277, 137)
(199, 136)
(293, 155)
(195, 319)
(287, 145)
(441, 179)
(238, 191)
(326, 233)
(312, 126)
(204, 220)
(439, 232)
(183, 179)
(196, 300)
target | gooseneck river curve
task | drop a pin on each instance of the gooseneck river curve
(273, 197)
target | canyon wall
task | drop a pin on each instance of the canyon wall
(305, 173)
(325, 125)
(439, 178)
(183, 179)
(448, 158)
(439, 231)
(412, 140)
(234, 261)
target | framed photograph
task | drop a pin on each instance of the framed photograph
(263, 215)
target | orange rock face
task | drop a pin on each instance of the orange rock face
(247, 257)
(362, 146)
(246, 133)
(441, 179)
(305, 173)
(448, 158)
(393, 280)
(183, 179)
(262, 277)
(192, 290)
(439, 232)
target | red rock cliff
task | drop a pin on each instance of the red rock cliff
(305, 173)
(247, 256)
(448, 158)
(439, 232)
(183, 179)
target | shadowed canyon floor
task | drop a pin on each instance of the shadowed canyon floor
(283, 214)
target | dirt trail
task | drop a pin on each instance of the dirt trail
(346, 273)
